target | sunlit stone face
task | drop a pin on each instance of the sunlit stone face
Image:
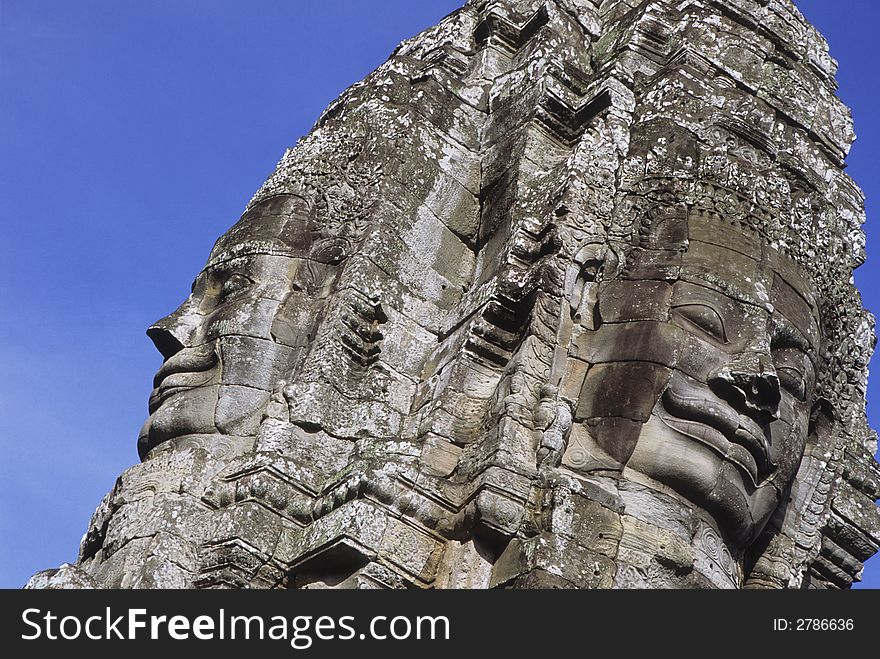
(705, 380)
(243, 327)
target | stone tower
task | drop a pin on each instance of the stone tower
(559, 296)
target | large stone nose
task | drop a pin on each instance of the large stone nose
(750, 384)
(174, 332)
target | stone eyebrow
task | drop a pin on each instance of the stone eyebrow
(221, 266)
(728, 289)
(251, 248)
(786, 335)
(229, 261)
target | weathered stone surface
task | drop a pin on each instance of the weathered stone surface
(67, 577)
(650, 556)
(465, 565)
(632, 387)
(551, 561)
(558, 297)
(860, 511)
(626, 301)
(586, 523)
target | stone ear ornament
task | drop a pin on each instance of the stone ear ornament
(331, 251)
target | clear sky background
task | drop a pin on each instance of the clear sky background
(131, 136)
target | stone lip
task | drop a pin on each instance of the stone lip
(188, 369)
(697, 414)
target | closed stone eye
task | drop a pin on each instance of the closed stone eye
(793, 381)
(704, 317)
(234, 284)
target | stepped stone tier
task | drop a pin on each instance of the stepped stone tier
(559, 296)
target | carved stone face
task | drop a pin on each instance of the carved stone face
(703, 374)
(241, 329)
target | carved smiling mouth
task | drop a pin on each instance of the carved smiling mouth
(190, 368)
(736, 437)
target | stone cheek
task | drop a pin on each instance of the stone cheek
(627, 389)
(533, 306)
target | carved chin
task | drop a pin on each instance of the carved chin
(187, 413)
(698, 473)
(225, 410)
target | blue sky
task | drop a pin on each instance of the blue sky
(132, 134)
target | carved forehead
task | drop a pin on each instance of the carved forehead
(280, 225)
(797, 306)
(729, 272)
(738, 263)
(257, 263)
(239, 252)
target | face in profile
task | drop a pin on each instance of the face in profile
(243, 327)
(704, 383)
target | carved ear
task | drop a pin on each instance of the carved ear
(822, 420)
(614, 262)
(594, 262)
(591, 253)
